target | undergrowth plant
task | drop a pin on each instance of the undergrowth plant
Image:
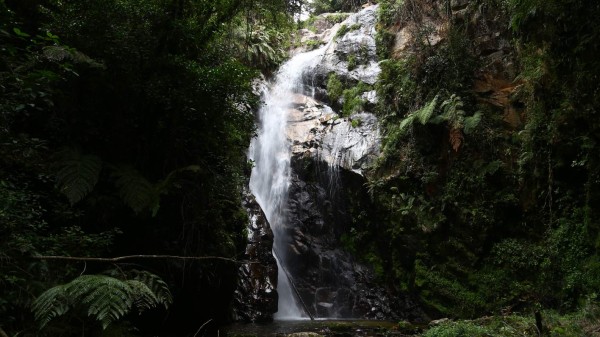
(103, 298)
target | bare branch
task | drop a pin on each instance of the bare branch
(139, 257)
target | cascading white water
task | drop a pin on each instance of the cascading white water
(270, 178)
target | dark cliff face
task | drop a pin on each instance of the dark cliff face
(332, 281)
(255, 298)
(329, 278)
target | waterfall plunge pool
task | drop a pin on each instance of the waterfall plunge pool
(320, 327)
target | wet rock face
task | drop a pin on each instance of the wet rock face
(357, 42)
(255, 298)
(331, 281)
(329, 158)
(317, 133)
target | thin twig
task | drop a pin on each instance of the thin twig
(139, 257)
(84, 268)
(202, 326)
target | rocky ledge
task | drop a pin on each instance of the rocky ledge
(316, 132)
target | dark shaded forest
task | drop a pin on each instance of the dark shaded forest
(124, 127)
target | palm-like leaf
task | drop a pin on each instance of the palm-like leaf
(107, 298)
(77, 174)
(52, 303)
(135, 190)
(424, 114)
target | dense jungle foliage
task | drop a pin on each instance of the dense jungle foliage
(123, 128)
(488, 187)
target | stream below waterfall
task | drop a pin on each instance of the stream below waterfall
(330, 328)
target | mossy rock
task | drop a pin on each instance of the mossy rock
(304, 334)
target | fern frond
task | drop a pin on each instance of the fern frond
(164, 185)
(107, 298)
(472, 122)
(406, 122)
(143, 298)
(136, 191)
(453, 112)
(422, 115)
(107, 304)
(50, 304)
(62, 53)
(158, 287)
(77, 174)
(425, 113)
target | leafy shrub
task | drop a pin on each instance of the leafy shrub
(341, 31)
(336, 18)
(353, 101)
(352, 62)
(106, 298)
(335, 88)
(457, 329)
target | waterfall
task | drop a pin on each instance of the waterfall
(324, 288)
(270, 178)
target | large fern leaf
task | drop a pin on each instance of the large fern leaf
(158, 287)
(472, 122)
(76, 174)
(425, 113)
(136, 191)
(143, 298)
(422, 115)
(406, 122)
(106, 298)
(453, 112)
(52, 303)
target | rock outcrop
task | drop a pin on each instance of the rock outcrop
(317, 133)
(354, 38)
(255, 298)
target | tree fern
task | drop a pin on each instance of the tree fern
(106, 298)
(144, 298)
(406, 122)
(76, 174)
(136, 191)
